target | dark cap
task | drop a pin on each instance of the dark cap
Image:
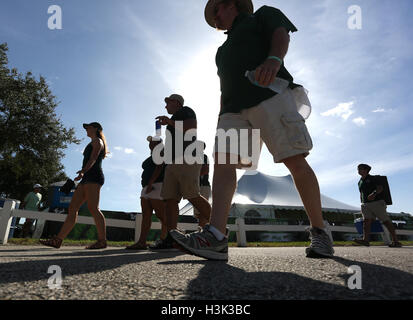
(364, 167)
(94, 125)
(176, 97)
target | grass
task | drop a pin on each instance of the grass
(80, 243)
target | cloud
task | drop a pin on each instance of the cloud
(125, 150)
(361, 122)
(343, 110)
(332, 134)
(382, 110)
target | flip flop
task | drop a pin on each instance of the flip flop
(54, 242)
(100, 244)
(137, 246)
(362, 242)
(395, 244)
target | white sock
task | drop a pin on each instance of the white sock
(218, 234)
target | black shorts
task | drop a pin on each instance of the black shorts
(93, 176)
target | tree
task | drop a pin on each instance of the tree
(32, 137)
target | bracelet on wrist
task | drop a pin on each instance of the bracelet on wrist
(275, 58)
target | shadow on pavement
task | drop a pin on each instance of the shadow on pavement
(219, 280)
(74, 263)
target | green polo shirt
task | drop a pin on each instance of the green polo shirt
(247, 47)
(32, 201)
(367, 186)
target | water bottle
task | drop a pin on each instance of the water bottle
(278, 85)
(158, 130)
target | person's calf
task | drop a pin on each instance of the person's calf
(223, 188)
(308, 188)
(172, 213)
(204, 209)
(367, 229)
(391, 229)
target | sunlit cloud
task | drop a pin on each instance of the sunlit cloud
(343, 110)
(125, 150)
(361, 122)
(332, 134)
(381, 110)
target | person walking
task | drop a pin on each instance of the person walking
(31, 202)
(181, 178)
(373, 205)
(151, 200)
(91, 179)
(204, 186)
(256, 41)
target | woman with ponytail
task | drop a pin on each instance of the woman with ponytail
(91, 180)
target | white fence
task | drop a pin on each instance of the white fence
(9, 211)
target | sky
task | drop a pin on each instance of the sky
(114, 61)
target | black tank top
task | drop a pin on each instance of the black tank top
(86, 157)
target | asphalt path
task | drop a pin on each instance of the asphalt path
(250, 273)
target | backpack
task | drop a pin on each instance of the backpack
(382, 180)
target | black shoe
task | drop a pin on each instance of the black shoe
(395, 244)
(160, 244)
(362, 242)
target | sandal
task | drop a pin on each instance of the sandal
(362, 242)
(137, 246)
(100, 244)
(54, 242)
(395, 244)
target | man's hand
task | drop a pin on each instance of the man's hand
(149, 188)
(371, 196)
(163, 120)
(266, 73)
(80, 175)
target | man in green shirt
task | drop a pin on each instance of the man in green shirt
(32, 203)
(256, 41)
(373, 205)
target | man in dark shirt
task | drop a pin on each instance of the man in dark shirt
(373, 206)
(181, 177)
(256, 41)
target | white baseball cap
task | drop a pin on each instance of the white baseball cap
(36, 186)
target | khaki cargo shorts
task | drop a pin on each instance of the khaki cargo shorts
(280, 126)
(181, 181)
(375, 209)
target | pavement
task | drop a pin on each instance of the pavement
(250, 274)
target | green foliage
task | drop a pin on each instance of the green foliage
(32, 136)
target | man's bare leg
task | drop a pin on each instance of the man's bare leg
(307, 186)
(223, 189)
(204, 209)
(391, 229)
(172, 212)
(366, 229)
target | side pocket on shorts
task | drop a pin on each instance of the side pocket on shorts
(297, 132)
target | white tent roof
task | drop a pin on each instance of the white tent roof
(256, 188)
(262, 189)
